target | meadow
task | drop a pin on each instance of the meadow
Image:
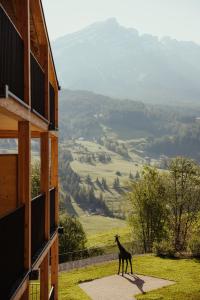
(185, 272)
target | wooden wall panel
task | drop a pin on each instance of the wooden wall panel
(8, 182)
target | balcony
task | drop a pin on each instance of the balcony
(52, 211)
(38, 241)
(11, 59)
(37, 87)
(11, 252)
(12, 72)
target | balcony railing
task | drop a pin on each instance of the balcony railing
(52, 124)
(11, 252)
(11, 58)
(52, 211)
(37, 226)
(37, 87)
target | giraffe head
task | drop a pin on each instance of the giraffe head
(116, 237)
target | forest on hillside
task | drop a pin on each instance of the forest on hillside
(167, 130)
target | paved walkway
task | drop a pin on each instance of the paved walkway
(122, 288)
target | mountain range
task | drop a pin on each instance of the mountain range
(110, 59)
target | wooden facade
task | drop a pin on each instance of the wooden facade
(28, 109)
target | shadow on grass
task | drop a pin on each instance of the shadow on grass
(84, 281)
(137, 281)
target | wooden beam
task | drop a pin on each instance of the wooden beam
(15, 110)
(8, 183)
(54, 173)
(24, 185)
(25, 295)
(44, 279)
(54, 267)
(56, 108)
(23, 292)
(45, 175)
(44, 252)
(54, 183)
(9, 134)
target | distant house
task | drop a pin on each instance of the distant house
(81, 139)
(28, 109)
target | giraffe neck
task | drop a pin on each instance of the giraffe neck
(121, 248)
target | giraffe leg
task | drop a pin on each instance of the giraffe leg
(122, 267)
(119, 265)
(130, 261)
(126, 265)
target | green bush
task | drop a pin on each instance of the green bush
(194, 246)
(164, 249)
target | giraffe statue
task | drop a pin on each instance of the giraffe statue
(123, 255)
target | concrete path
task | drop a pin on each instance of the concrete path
(122, 288)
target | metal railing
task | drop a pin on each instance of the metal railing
(81, 258)
(37, 87)
(11, 58)
(34, 291)
(52, 210)
(67, 256)
(37, 226)
(11, 252)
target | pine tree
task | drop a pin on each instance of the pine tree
(98, 182)
(137, 175)
(131, 176)
(104, 184)
(116, 183)
(88, 180)
(101, 197)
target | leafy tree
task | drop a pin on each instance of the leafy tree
(73, 239)
(35, 179)
(183, 198)
(148, 216)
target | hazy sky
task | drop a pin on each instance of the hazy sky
(176, 18)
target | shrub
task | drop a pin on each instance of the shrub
(194, 246)
(164, 249)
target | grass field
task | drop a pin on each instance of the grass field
(112, 197)
(100, 230)
(108, 170)
(185, 272)
(106, 238)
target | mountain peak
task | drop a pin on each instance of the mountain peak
(111, 59)
(108, 24)
(111, 22)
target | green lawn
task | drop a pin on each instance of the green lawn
(186, 273)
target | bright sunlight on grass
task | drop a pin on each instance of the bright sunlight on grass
(185, 272)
